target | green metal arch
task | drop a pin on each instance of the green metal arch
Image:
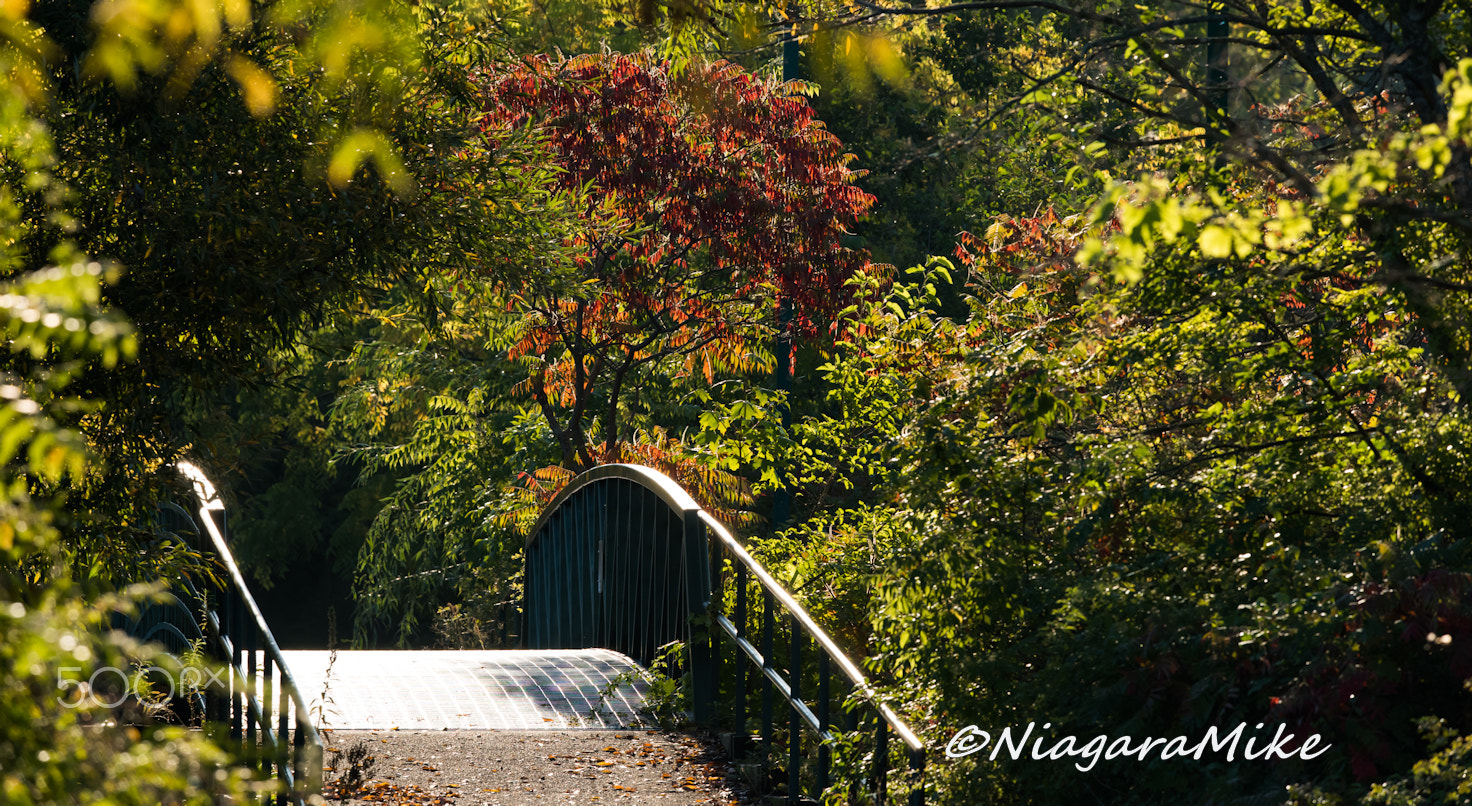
(661, 485)
(620, 560)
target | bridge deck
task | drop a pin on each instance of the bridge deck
(470, 690)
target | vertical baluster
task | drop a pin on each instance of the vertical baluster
(313, 780)
(824, 751)
(268, 756)
(700, 600)
(562, 561)
(917, 775)
(851, 722)
(573, 575)
(768, 618)
(298, 755)
(794, 740)
(645, 584)
(623, 551)
(547, 593)
(679, 570)
(556, 588)
(713, 630)
(672, 606)
(718, 606)
(283, 741)
(643, 572)
(236, 711)
(589, 543)
(219, 703)
(614, 550)
(553, 591)
(601, 533)
(656, 593)
(213, 713)
(741, 659)
(531, 592)
(881, 760)
(252, 633)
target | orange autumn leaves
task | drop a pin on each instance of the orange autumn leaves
(708, 195)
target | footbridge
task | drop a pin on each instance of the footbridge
(624, 572)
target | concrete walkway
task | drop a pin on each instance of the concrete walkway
(469, 689)
(541, 768)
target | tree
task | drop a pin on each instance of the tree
(1194, 457)
(55, 746)
(1195, 451)
(249, 190)
(711, 195)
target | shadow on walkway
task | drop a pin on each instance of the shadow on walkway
(469, 689)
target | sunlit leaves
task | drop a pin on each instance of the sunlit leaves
(258, 88)
(710, 194)
(50, 750)
(149, 35)
(56, 309)
(1149, 213)
(365, 49)
(1198, 457)
(363, 145)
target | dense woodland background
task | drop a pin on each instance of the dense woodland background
(1131, 348)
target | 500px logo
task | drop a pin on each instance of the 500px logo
(972, 739)
(141, 683)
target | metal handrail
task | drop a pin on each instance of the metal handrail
(802, 627)
(291, 748)
(819, 635)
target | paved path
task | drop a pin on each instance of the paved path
(469, 689)
(541, 768)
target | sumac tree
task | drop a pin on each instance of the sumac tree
(713, 198)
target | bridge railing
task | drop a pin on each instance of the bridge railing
(785, 688)
(617, 561)
(258, 706)
(625, 559)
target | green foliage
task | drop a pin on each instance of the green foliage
(57, 751)
(253, 166)
(829, 563)
(431, 406)
(255, 169)
(1206, 473)
(666, 698)
(56, 745)
(1444, 777)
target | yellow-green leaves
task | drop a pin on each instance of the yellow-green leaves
(1151, 214)
(148, 36)
(1458, 85)
(1288, 227)
(55, 309)
(367, 49)
(256, 85)
(1368, 172)
(53, 313)
(362, 145)
(861, 56)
